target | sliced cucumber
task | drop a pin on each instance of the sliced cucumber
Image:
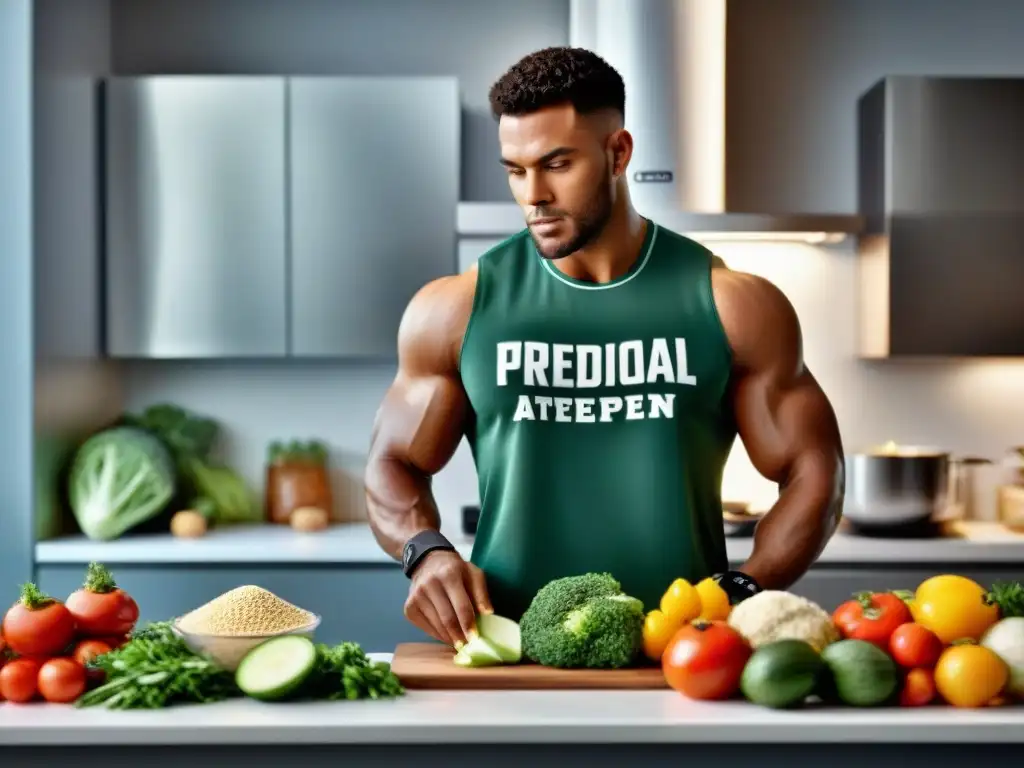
(276, 668)
(478, 652)
(503, 636)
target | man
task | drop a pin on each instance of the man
(601, 367)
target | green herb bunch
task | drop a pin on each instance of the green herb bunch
(345, 672)
(155, 669)
(1009, 596)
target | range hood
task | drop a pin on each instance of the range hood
(671, 54)
(941, 187)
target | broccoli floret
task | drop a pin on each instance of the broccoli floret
(583, 621)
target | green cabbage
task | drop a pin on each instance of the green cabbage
(190, 439)
(119, 478)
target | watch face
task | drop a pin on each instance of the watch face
(407, 555)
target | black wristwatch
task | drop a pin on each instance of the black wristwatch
(737, 585)
(419, 545)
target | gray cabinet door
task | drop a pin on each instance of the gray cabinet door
(196, 227)
(374, 185)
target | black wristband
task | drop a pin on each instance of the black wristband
(418, 546)
(737, 585)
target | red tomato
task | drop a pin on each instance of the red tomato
(872, 616)
(100, 607)
(912, 645)
(61, 681)
(18, 680)
(918, 688)
(705, 659)
(38, 625)
(86, 651)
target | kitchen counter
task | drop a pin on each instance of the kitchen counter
(353, 543)
(458, 724)
(475, 717)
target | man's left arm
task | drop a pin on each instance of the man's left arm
(787, 426)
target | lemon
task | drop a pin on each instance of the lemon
(714, 600)
(658, 631)
(681, 603)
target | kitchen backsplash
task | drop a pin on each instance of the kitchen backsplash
(971, 407)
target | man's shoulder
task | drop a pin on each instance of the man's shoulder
(442, 301)
(756, 314)
(734, 286)
(436, 318)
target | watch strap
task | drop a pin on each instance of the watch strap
(737, 585)
(417, 547)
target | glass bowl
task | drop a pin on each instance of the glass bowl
(227, 651)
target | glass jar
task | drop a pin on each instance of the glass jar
(298, 475)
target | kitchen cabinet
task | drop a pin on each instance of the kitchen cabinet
(373, 190)
(264, 217)
(195, 217)
(941, 188)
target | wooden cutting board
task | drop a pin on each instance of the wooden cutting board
(429, 666)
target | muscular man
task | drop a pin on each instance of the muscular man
(600, 366)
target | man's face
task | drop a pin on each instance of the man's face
(560, 173)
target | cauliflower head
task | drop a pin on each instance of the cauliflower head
(778, 615)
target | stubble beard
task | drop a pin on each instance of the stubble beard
(588, 227)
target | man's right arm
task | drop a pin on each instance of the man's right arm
(417, 430)
(423, 416)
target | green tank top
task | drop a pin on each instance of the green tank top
(600, 427)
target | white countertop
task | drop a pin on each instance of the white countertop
(478, 717)
(353, 543)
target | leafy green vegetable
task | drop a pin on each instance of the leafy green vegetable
(53, 454)
(346, 672)
(119, 478)
(298, 452)
(583, 621)
(158, 631)
(155, 669)
(231, 499)
(1009, 596)
(205, 506)
(184, 433)
(191, 440)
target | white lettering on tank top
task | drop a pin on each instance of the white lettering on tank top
(535, 364)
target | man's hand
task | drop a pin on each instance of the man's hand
(446, 595)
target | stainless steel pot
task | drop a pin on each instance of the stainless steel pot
(895, 486)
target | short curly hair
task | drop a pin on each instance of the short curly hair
(558, 75)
